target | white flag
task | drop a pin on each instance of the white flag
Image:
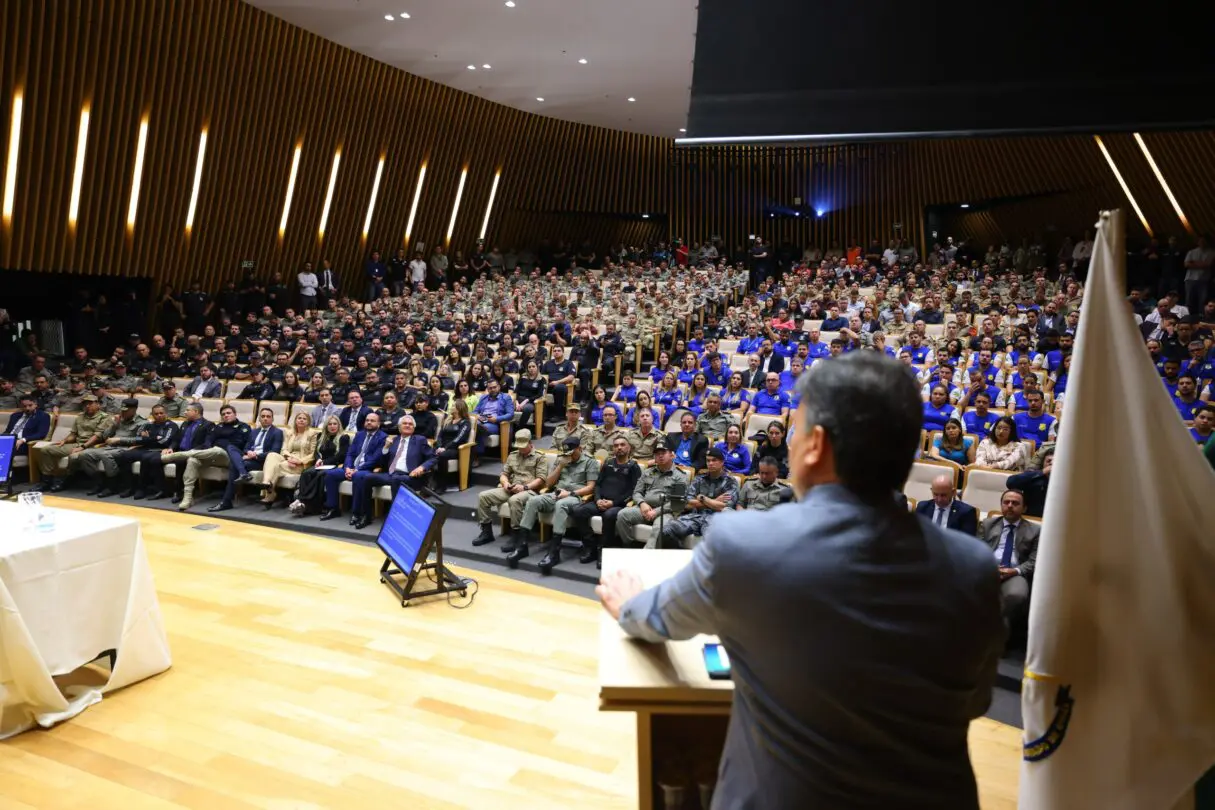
(1119, 692)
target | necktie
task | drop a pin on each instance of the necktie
(940, 517)
(358, 461)
(260, 441)
(353, 420)
(402, 456)
(1010, 545)
(19, 428)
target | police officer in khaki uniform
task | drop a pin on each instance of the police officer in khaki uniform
(763, 492)
(572, 426)
(652, 493)
(714, 421)
(86, 432)
(570, 479)
(645, 437)
(173, 402)
(522, 477)
(601, 438)
(101, 461)
(72, 400)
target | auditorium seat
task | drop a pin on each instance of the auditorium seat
(758, 423)
(984, 486)
(919, 482)
(246, 409)
(234, 387)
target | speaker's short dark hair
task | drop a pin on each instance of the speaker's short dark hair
(870, 409)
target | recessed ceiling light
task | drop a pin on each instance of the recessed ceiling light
(538, 98)
(404, 15)
(486, 67)
(966, 205)
(631, 99)
(645, 216)
(389, 17)
(510, 3)
(681, 129)
(582, 61)
(472, 67)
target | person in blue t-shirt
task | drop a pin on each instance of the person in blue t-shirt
(980, 421)
(737, 455)
(1034, 423)
(815, 348)
(697, 343)
(1186, 399)
(1200, 363)
(1204, 424)
(751, 343)
(771, 400)
(1058, 380)
(788, 379)
(953, 446)
(1171, 375)
(599, 404)
(716, 373)
(1055, 358)
(937, 410)
(626, 391)
(783, 347)
(920, 354)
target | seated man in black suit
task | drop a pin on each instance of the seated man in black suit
(689, 446)
(947, 511)
(1034, 484)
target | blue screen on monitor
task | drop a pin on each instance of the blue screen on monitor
(7, 443)
(405, 528)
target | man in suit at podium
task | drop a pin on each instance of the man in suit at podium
(408, 460)
(910, 613)
(947, 511)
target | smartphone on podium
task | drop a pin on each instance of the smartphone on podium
(717, 662)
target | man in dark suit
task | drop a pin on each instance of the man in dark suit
(364, 455)
(846, 552)
(263, 440)
(689, 446)
(28, 424)
(407, 460)
(770, 360)
(754, 377)
(189, 439)
(354, 415)
(1034, 484)
(327, 283)
(1014, 541)
(947, 511)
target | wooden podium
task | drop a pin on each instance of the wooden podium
(682, 714)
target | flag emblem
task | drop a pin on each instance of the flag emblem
(1039, 749)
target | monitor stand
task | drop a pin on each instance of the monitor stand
(404, 583)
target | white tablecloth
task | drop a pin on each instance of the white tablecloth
(66, 597)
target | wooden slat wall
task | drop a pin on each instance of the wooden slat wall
(1060, 182)
(260, 86)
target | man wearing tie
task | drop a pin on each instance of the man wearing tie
(265, 438)
(328, 282)
(948, 512)
(355, 413)
(324, 409)
(409, 461)
(28, 424)
(364, 455)
(1014, 541)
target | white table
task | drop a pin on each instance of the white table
(678, 706)
(67, 597)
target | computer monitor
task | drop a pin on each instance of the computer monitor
(8, 444)
(406, 528)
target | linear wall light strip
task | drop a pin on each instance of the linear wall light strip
(493, 191)
(333, 173)
(455, 208)
(198, 173)
(1168, 192)
(413, 209)
(82, 145)
(375, 192)
(1125, 188)
(295, 168)
(14, 148)
(141, 148)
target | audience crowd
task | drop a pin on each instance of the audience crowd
(667, 377)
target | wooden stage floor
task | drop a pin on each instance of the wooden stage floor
(297, 682)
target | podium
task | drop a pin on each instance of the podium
(682, 714)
